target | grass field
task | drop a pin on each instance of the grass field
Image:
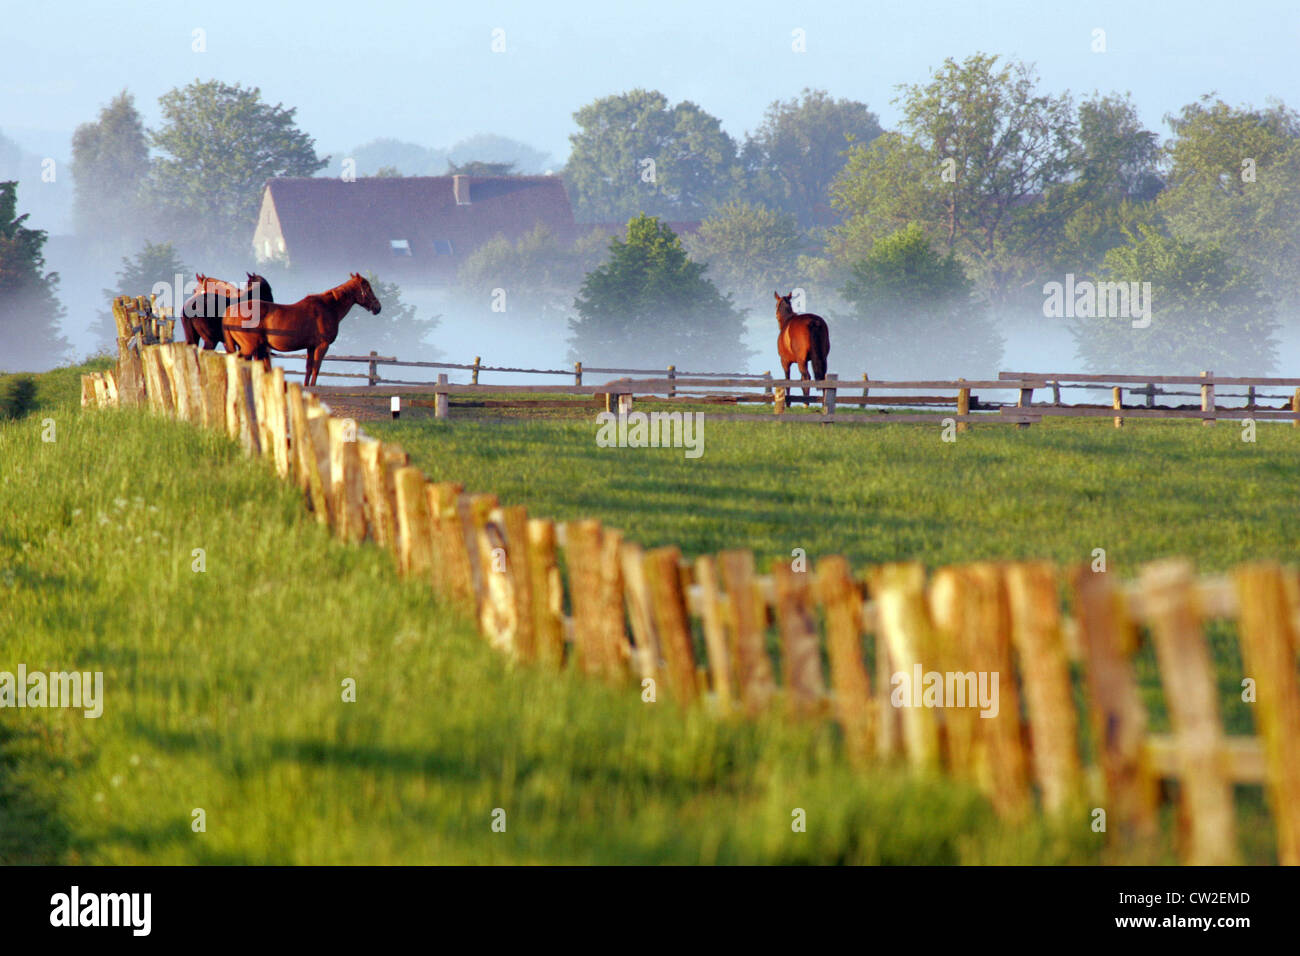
(223, 688)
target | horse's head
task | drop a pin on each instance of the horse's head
(784, 308)
(364, 295)
(258, 287)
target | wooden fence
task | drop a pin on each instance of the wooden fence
(820, 642)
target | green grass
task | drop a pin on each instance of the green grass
(223, 691)
(881, 493)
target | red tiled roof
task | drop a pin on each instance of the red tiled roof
(329, 223)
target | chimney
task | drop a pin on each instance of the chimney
(460, 185)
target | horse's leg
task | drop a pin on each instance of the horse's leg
(805, 375)
(318, 355)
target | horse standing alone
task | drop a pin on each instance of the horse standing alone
(311, 323)
(804, 338)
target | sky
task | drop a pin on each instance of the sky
(427, 73)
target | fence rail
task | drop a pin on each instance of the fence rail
(713, 632)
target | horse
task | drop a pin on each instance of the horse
(202, 314)
(804, 337)
(311, 323)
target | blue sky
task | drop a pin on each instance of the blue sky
(426, 72)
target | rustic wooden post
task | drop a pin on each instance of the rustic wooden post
(547, 589)
(1117, 403)
(1207, 398)
(187, 366)
(828, 396)
(747, 613)
(239, 401)
(646, 651)
(906, 628)
(319, 430)
(963, 407)
(577, 374)
(167, 374)
(130, 376)
(379, 506)
(1026, 400)
(307, 462)
(498, 611)
(453, 569)
(473, 375)
(715, 634)
(866, 392)
(596, 592)
(624, 403)
(778, 400)
(1295, 407)
(475, 514)
(441, 402)
(348, 486)
(854, 707)
(672, 622)
(1250, 397)
(372, 369)
(1151, 394)
(801, 662)
(513, 520)
(1115, 708)
(1268, 645)
(955, 609)
(277, 427)
(1049, 696)
(1056, 393)
(212, 380)
(767, 388)
(232, 395)
(672, 376)
(88, 390)
(414, 534)
(1187, 674)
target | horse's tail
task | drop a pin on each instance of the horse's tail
(821, 346)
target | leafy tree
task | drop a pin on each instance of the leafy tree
(29, 306)
(979, 147)
(913, 313)
(388, 172)
(139, 274)
(633, 152)
(791, 160)
(411, 158)
(538, 273)
(1206, 313)
(110, 163)
(750, 249)
(649, 305)
(1236, 183)
(491, 148)
(220, 144)
(396, 330)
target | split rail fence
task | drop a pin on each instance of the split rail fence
(821, 643)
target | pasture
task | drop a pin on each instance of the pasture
(223, 693)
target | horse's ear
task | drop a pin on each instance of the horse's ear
(777, 296)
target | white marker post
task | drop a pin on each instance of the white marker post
(395, 406)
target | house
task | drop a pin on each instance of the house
(416, 231)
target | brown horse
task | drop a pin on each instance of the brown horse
(202, 314)
(311, 323)
(804, 337)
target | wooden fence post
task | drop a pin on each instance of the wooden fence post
(672, 376)
(347, 484)
(319, 431)
(963, 407)
(1191, 695)
(513, 520)
(778, 400)
(239, 404)
(747, 615)
(828, 396)
(906, 628)
(372, 369)
(1150, 391)
(801, 662)
(595, 582)
(277, 431)
(646, 651)
(1268, 646)
(212, 380)
(441, 402)
(1117, 403)
(498, 610)
(672, 621)
(414, 534)
(306, 464)
(1026, 400)
(624, 404)
(130, 374)
(1115, 708)
(577, 374)
(473, 375)
(767, 388)
(866, 392)
(547, 589)
(1053, 723)
(1056, 393)
(854, 707)
(1207, 398)
(715, 633)
(1295, 407)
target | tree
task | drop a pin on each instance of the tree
(477, 167)
(491, 148)
(1235, 182)
(650, 305)
(791, 160)
(110, 163)
(220, 144)
(749, 249)
(1205, 312)
(395, 331)
(913, 313)
(634, 153)
(153, 264)
(980, 147)
(536, 275)
(30, 310)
